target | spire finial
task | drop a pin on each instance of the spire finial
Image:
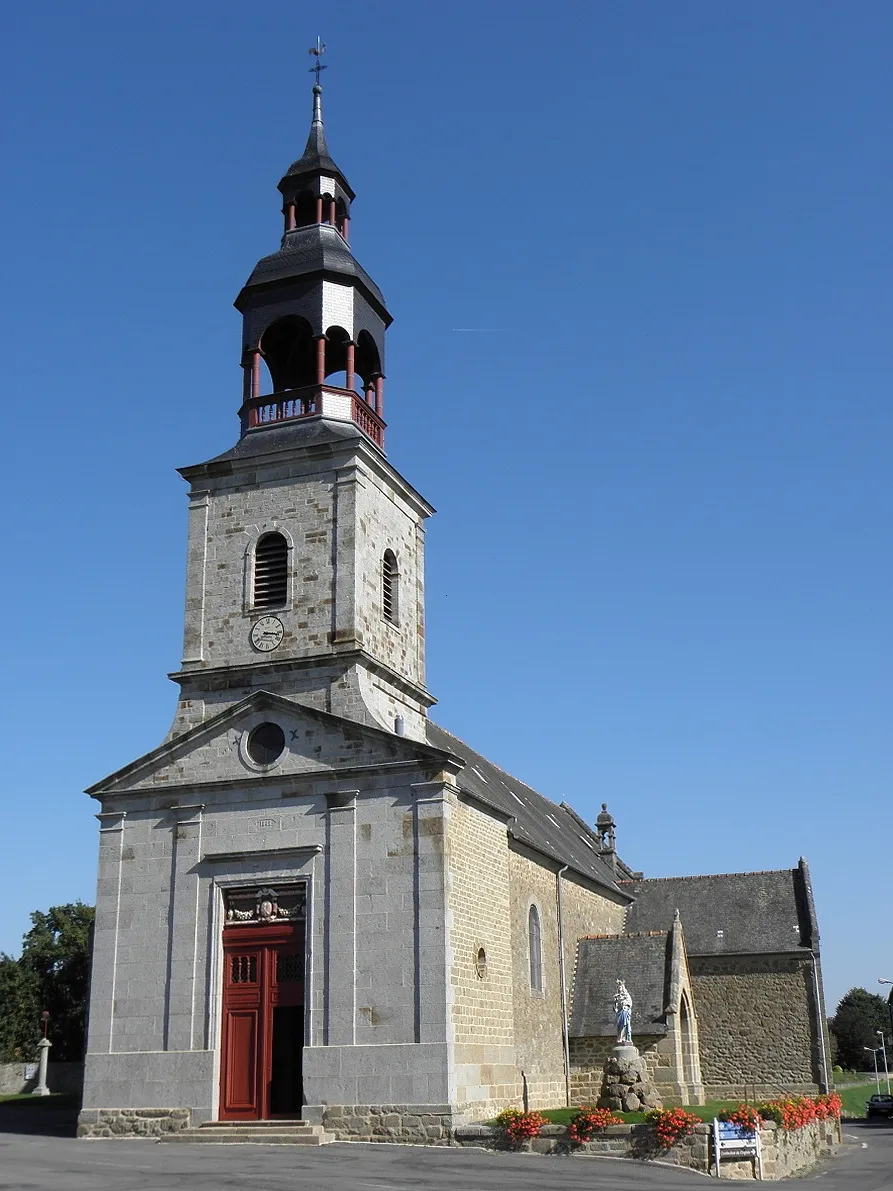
(317, 51)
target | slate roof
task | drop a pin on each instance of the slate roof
(535, 820)
(286, 436)
(643, 961)
(316, 248)
(767, 912)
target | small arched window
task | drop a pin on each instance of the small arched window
(535, 948)
(270, 587)
(389, 587)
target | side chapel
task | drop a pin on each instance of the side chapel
(316, 904)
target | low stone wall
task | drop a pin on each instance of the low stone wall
(425, 1124)
(784, 1154)
(61, 1077)
(131, 1122)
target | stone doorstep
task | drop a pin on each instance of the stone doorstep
(251, 1133)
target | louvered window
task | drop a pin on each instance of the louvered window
(271, 571)
(389, 578)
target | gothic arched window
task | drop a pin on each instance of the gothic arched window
(270, 585)
(535, 948)
(389, 587)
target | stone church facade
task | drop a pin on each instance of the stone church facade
(315, 903)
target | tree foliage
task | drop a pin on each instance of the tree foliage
(857, 1018)
(53, 974)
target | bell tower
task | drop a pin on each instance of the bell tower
(305, 570)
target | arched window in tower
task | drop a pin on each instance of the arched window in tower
(289, 353)
(390, 580)
(339, 357)
(305, 208)
(535, 949)
(270, 579)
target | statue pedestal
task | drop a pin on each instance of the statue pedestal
(626, 1086)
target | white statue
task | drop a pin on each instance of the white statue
(623, 1007)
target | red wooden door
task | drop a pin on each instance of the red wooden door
(263, 1022)
(243, 1030)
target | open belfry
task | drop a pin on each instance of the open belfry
(317, 907)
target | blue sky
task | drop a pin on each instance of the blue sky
(639, 256)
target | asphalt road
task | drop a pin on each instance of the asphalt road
(41, 1163)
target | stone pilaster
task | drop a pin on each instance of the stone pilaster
(182, 1013)
(105, 936)
(341, 919)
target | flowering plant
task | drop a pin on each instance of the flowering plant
(793, 1112)
(745, 1116)
(670, 1124)
(520, 1126)
(586, 1122)
(829, 1105)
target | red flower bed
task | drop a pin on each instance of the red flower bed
(670, 1124)
(793, 1112)
(744, 1116)
(520, 1126)
(587, 1120)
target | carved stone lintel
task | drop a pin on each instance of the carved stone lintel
(265, 905)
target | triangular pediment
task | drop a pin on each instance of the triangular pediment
(219, 751)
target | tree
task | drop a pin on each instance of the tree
(52, 974)
(858, 1015)
(20, 1019)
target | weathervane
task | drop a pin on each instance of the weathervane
(317, 51)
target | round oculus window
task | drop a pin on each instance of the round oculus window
(265, 744)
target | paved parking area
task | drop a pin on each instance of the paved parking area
(40, 1163)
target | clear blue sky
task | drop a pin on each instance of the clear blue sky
(660, 575)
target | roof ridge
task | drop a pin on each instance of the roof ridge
(632, 934)
(758, 872)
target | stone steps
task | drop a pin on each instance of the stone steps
(268, 1133)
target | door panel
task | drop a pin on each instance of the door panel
(241, 1063)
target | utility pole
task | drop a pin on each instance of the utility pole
(877, 1078)
(883, 1048)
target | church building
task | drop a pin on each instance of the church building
(315, 904)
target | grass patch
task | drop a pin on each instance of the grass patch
(54, 1100)
(706, 1112)
(854, 1098)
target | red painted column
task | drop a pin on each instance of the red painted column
(349, 368)
(255, 373)
(290, 217)
(379, 395)
(370, 393)
(332, 212)
(345, 226)
(319, 208)
(321, 359)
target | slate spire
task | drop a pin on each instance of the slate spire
(316, 160)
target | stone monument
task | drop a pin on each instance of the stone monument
(626, 1086)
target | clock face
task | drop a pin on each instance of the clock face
(267, 633)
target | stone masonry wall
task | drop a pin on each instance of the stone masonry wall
(132, 1122)
(425, 1124)
(537, 1015)
(588, 1058)
(487, 1075)
(755, 1023)
(785, 1155)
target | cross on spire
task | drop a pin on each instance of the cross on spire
(317, 51)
